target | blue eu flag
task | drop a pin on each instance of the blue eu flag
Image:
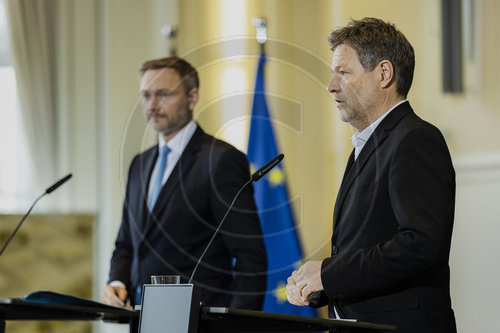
(281, 239)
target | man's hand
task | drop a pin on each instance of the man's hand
(303, 282)
(115, 296)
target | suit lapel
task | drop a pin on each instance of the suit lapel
(147, 163)
(372, 145)
(350, 163)
(180, 170)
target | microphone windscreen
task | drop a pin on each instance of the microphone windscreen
(267, 167)
(59, 183)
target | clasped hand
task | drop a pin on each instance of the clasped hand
(303, 282)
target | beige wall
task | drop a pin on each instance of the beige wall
(296, 75)
(109, 39)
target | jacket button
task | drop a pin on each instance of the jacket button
(335, 250)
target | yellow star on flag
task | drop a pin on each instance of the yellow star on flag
(280, 292)
(252, 168)
(276, 177)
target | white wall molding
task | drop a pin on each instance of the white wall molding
(475, 246)
(474, 162)
(477, 169)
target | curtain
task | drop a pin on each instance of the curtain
(32, 35)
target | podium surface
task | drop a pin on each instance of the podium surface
(19, 309)
(216, 319)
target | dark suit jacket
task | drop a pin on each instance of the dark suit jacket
(392, 227)
(191, 203)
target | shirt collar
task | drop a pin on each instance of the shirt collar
(360, 138)
(179, 142)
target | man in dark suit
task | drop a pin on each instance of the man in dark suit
(394, 212)
(177, 193)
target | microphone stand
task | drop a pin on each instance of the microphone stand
(255, 177)
(20, 223)
(218, 227)
(47, 191)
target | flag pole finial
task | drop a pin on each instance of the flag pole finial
(260, 24)
(170, 32)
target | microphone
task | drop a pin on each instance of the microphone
(266, 168)
(255, 176)
(47, 191)
(59, 183)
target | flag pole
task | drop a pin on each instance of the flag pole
(284, 252)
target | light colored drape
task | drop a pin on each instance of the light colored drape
(33, 54)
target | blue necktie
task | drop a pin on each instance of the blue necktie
(159, 177)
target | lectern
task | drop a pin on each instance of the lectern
(176, 309)
(205, 319)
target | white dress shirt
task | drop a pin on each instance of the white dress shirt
(359, 138)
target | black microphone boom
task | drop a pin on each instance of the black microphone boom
(47, 191)
(267, 167)
(255, 176)
(59, 183)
